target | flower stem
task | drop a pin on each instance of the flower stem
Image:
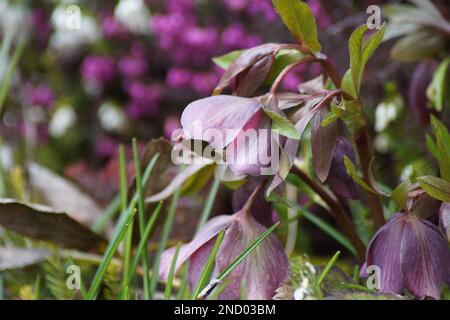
(336, 210)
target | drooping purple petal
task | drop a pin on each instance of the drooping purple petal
(262, 271)
(249, 81)
(338, 179)
(425, 258)
(384, 252)
(217, 119)
(208, 232)
(444, 219)
(250, 152)
(198, 260)
(246, 60)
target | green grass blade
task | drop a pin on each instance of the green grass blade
(83, 290)
(236, 262)
(6, 82)
(110, 212)
(206, 212)
(326, 270)
(142, 246)
(207, 269)
(169, 283)
(37, 287)
(163, 242)
(127, 243)
(141, 211)
(110, 251)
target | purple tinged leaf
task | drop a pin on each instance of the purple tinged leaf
(323, 144)
(338, 179)
(417, 92)
(222, 114)
(444, 219)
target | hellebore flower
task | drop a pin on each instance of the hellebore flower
(262, 271)
(236, 124)
(444, 219)
(411, 254)
(250, 69)
(338, 179)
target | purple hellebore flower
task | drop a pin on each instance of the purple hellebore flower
(412, 254)
(262, 271)
(236, 124)
(133, 65)
(338, 179)
(444, 219)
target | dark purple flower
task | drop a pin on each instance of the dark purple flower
(39, 95)
(261, 272)
(411, 254)
(338, 179)
(178, 77)
(444, 219)
(98, 70)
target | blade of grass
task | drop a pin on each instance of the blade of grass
(325, 271)
(110, 251)
(142, 246)
(6, 44)
(207, 269)
(168, 290)
(141, 211)
(206, 212)
(37, 287)
(6, 82)
(163, 242)
(82, 287)
(110, 212)
(236, 262)
(321, 224)
(123, 205)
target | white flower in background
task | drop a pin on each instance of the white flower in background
(133, 14)
(69, 37)
(112, 118)
(63, 119)
(6, 156)
(386, 112)
(14, 18)
(407, 172)
(381, 143)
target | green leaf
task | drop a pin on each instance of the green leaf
(208, 267)
(347, 83)
(360, 52)
(417, 46)
(297, 16)
(400, 194)
(435, 187)
(441, 149)
(283, 58)
(351, 170)
(168, 289)
(326, 270)
(438, 89)
(225, 60)
(282, 124)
